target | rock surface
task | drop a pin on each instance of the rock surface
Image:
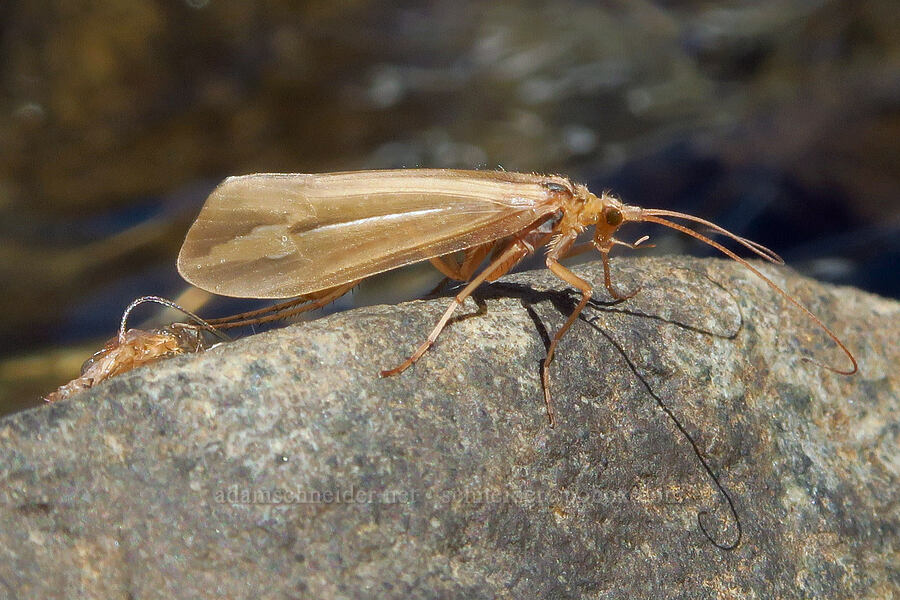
(282, 466)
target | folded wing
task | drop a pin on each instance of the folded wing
(284, 235)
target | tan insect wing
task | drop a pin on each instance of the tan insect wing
(284, 235)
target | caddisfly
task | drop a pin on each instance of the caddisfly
(314, 237)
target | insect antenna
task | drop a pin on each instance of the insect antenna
(755, 247)
(159, 300)
(655, 216)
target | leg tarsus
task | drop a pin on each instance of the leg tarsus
(607, 280)
(548, 399)
(424, 346)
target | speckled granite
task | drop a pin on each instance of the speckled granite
(281, 466)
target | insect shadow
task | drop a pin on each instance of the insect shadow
(690, 439)
(563, 302)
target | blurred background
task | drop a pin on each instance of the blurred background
(778, 119)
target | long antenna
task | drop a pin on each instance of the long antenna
(650, 216)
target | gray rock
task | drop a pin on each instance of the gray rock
(282, 466)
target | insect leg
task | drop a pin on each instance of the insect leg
(462, 271)
(290, 308)
(526, 243)
(473, 258)
(454, 270)
(607, 280)
(586, 246)
(586, 291)
(448, 270)
(604, 249)
(456, 303)
(260, 311)
(578, 249)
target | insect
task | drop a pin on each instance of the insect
(314, 237)
(132, 348)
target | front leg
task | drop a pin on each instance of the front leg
(607, 280)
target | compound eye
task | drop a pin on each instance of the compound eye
(613, 216)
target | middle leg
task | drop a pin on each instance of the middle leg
(500, 261)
